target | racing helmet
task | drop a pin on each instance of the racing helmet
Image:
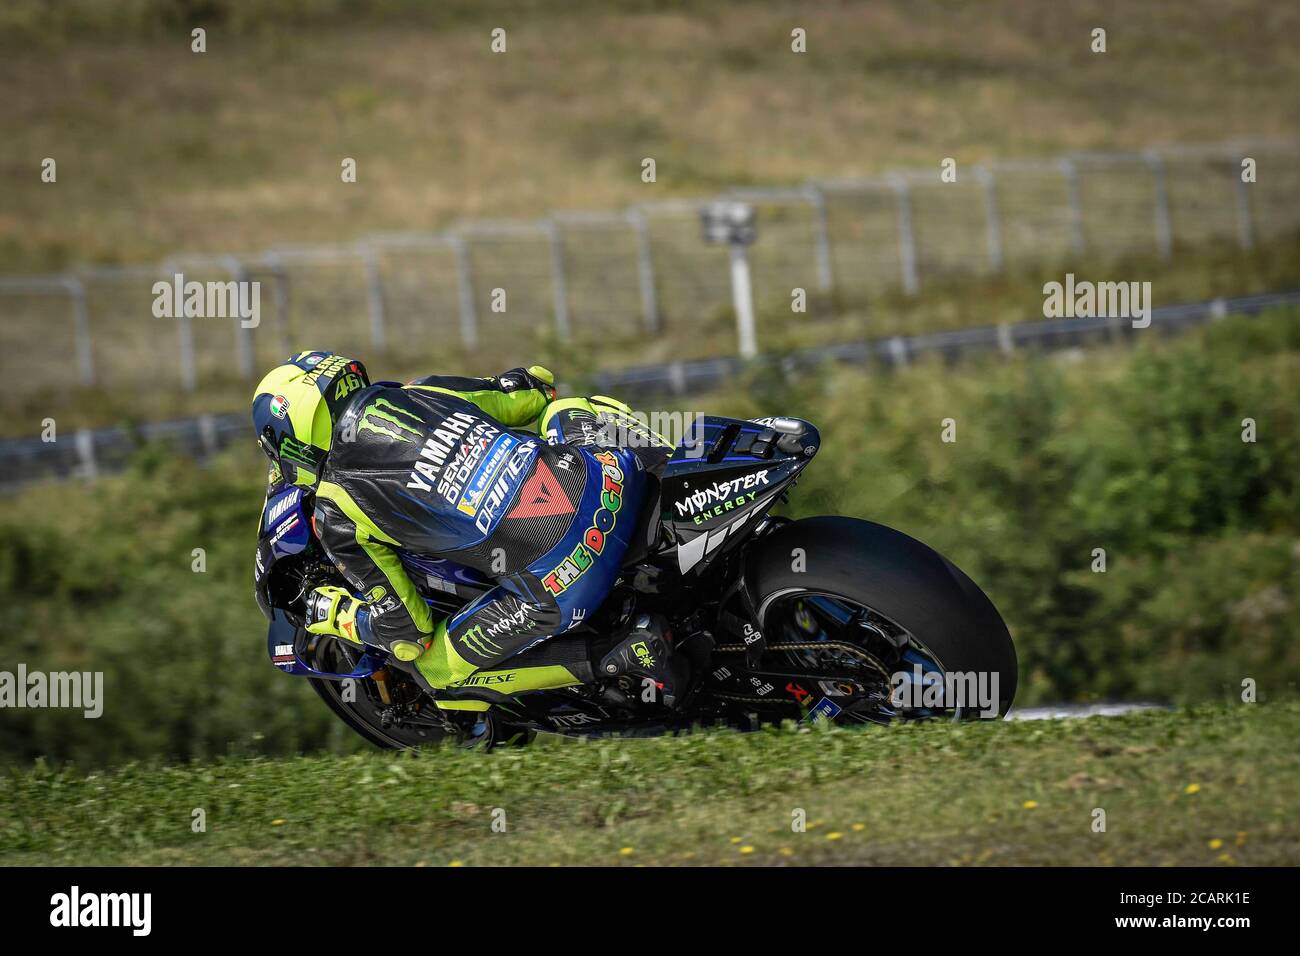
(295, 407)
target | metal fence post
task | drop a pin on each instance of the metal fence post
(906, 236)
(898, 351)
(85, 441)
(243, 333)
(1164, 230)
(465, 292)
(734, 222)
(281, 299)
(557, 279)
(645, 267)
(374, 295)
(1006, 343)
(1071, 173)
(822, 239)
(207, 434)
(81, 329)
(677, 377)
(185, 339)
(1245, 222)
(993, 216)
(742, 295)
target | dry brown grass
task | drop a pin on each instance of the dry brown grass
(160, 149)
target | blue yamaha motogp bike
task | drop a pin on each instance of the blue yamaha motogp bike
(831, 617)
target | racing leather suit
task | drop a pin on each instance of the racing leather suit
(436, 468)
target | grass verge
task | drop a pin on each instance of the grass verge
(1189, 787)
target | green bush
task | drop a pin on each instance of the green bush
(1140, 454)
(98, 577)
(1137, 452)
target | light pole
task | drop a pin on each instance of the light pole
(733, 223)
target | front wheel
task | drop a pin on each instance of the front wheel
(386, 709)
(849, 596)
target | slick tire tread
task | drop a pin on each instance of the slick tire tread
(906, 581)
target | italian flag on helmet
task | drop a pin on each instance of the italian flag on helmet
(294, 408)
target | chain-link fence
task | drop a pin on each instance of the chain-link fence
(94, 452)
(487, 290)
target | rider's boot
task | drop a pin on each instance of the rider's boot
(647, 653)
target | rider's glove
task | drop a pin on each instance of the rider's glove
(536, 376)
(332, 610)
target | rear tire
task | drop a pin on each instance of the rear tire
(902, 579)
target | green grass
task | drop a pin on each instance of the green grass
(1192, 787)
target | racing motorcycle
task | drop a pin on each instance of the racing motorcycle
(825, 618)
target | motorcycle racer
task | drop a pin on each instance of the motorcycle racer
(491, 473)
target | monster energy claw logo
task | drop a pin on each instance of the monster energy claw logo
(403, 428)
(475, 640)
(295, 451)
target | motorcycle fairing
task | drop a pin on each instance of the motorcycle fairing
(284, 529)
(443, 577)
(715, 487)
(286, 641)
(285, 522)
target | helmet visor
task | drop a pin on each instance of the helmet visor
(267, 444)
